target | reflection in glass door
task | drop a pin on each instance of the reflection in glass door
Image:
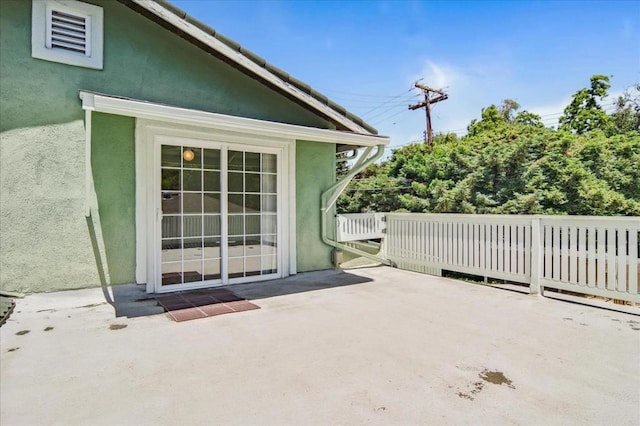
(252, 206)
(196, 201)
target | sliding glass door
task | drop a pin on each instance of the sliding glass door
(219, 215)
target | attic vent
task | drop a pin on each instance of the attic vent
(69, 32)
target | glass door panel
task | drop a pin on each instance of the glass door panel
(190, 232)
(252, 219)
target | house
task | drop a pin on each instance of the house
(139, 145)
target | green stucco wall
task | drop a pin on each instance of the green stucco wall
(46, 243)
(315, 172)
(113, 163)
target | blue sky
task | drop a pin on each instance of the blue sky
(366, 55)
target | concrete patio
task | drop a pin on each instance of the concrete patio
(366, 346)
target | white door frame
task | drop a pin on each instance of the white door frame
(150, 133)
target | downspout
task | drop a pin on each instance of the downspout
(330, 196)
(354, 154)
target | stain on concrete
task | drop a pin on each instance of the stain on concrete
(476, 388)
(568, 319)
(13, 349)
(48, 329)
(117, 326)
(22, 332)
(465, 396)
(496, 377)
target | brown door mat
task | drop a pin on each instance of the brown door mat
(188, 305)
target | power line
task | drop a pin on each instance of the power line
(366, 95)
(389, 117)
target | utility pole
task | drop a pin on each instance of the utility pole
(426, 104)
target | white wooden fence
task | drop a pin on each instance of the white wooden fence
(583, 254)
(360, 226)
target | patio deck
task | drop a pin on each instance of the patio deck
(367, 346)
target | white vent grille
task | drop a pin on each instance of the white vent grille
(69, 32)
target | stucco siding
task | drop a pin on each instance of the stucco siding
(113, 154)
(315, 172)
(44, 239)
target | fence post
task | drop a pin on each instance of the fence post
(537, 251)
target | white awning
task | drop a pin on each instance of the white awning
(141, 109)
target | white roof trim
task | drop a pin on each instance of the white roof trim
(243, 61)
(141, 109)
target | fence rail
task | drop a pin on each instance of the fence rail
(360, 226)
(583, 254)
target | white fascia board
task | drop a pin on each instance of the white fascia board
(140, 109)
(248, 64)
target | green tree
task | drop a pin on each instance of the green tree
(626, 117)
(509, 163)
(584, 113)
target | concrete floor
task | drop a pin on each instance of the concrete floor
(366, 346)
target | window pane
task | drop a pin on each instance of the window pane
(236, 267)
(211, 248)
(192, 158)
(269, 164)
(269, 184)
(269, 265)
(235, 203)
(211, 159)
(236, 224)
(192, 180)
(171, 273)
(192, 226)
(252, 203)
(269, 203)
(252, 182)
(235, 160)
(252, 224)
(171, 203)
(236, 246)
(192, 203)
(252, 265)
(171, 227)
(211, 203)
(172, 250)
(236, 183)
(170, 180)
(269, 223)
(192, 272)
(192, 249)
(269, 244)
(212, 181)
(252, 161)
(171, 156)
(212, 269)
(211, 225)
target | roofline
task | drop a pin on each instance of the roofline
(252, 64)
(118, 105)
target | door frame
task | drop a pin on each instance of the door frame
(148, 134)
